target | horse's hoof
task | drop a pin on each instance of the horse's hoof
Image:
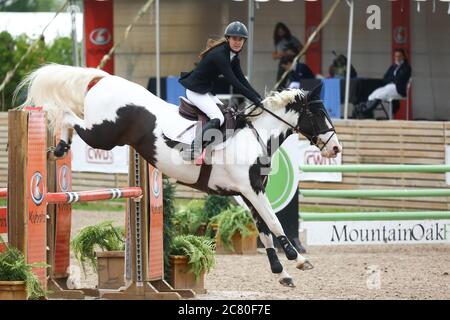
(61, 149)
(305, 265)
(287, 282)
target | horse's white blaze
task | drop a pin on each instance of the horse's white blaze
(333, 142)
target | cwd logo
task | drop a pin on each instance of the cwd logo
(64, 178)
(100, 36)
(37, 188)
(156, 190)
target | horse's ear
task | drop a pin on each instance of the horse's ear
(314, 94)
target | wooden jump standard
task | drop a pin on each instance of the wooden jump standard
(39, 213)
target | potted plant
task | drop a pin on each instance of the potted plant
(190, 258)
(191, 219)
(109, 263)
(234, 231)
(17, 281)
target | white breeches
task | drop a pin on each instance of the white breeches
(207, 103)
(386, 93)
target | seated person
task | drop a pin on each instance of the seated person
(301, 71)
(396, 79)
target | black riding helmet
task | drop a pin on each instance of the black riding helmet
(237, 29)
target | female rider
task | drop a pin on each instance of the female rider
(219, 59)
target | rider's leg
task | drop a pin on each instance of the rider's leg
(206, 103)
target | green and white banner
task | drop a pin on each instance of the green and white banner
(285, 174)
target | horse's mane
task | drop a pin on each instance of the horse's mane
(275, 100)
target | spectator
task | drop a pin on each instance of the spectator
(396, 79)
(285, 44)
(301, 71)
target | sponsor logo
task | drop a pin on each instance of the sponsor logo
(314, 157)
(385, 234)
(99, 156)
(37, 188)
(37, 217)
(100, 36)
(156, 188)
(400, 35)
(64, 178)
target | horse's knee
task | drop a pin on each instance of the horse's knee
(275, 264)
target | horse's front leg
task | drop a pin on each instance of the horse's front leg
(262, 205)
(266, 238)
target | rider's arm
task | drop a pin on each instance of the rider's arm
(225, 69)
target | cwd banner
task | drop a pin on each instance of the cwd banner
(311, 155)
(88, 159)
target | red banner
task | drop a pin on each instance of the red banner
(401, 38)
(313, 16)
(98, 26)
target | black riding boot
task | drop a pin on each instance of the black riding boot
(370, 107)
(199, 143)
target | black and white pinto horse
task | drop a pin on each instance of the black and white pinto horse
(116, 112)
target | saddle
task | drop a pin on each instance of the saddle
(189, 111)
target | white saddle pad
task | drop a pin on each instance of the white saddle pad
(175, 127)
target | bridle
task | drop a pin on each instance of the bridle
(304, 112)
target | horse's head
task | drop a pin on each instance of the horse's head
(315, 123)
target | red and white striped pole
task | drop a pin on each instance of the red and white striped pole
(93, 195)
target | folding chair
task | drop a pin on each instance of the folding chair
(389, 101)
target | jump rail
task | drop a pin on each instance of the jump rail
(434, 168)
(377, 216)
(375, 193)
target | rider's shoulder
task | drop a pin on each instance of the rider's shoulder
(221, 49)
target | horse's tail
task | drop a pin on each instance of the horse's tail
(58, 88)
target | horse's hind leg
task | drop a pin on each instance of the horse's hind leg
(266, 238)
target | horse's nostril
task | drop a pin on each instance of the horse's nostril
(336, 149)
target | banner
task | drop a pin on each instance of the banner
(88, 159)
(98, 28)
(313, 17)
(311, 155)
(401, 39)
(376, 232)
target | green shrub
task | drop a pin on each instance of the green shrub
(214, 205)
(13, 267)
(199, 250)
(234, 219)
(102, 236)
(188, 219)
(169, 211)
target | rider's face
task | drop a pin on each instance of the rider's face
(236, 43)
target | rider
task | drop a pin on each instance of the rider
(219, 59)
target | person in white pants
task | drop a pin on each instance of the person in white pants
(396, 77)
(219, 58)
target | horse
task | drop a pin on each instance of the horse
(108, 111)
